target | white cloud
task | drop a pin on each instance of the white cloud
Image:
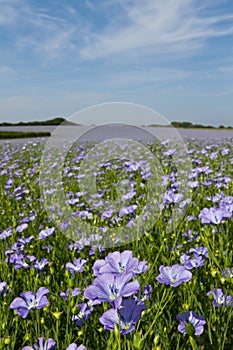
(156, 27)
(225, 93)
(49, 46)
(8, 14)
(133, 28)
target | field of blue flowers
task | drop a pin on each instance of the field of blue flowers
(164, 290)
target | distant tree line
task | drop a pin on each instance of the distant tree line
(190, 125)
(60, 120)
(55, 121)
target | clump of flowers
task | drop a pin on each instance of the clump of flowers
(112, 284)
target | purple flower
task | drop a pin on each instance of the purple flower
(227, 272)
(77, 265)
(169, 152)
(83, 315)
(191, 263)
(198, 251)
(227, 204)
(147, 291)
(213, 215)
(22, 261)
(190, 235)
(107, 214)
(100, 248)
(6, 233)
(127, 210)
(219, 298)
(126, 317)
(21, 228)
(64, 225)
(171, 197)
(75, 292)
(4, 288)
(193, 184)
(192, 319)
(47, 345)
(191, 218)
(174, 275)
(73, 346)
(112, 288)
(116, 263)
(141, 267)
(46, 233)
(40, 264)
(29, 301)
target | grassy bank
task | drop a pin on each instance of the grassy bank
(22, 134)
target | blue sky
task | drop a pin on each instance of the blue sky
(175, 56)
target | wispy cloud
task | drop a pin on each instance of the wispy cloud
(114, 28)
(225, 93)
(226, 69)
(156, 27)
(48, 46)
(8, 12)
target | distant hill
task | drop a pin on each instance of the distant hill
(60, 120)
(189, 125)
(54, 121)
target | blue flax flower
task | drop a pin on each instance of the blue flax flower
(43, 345)
(29, 300)
(46, 233)
(173, 275)
(75, 292)
(73, 346)
(227, 272)
(189, 263)
(119, 263)
(126, 317)
(4, 289)
(213, 215)
(116, 263)
(219, 298)
(112, 288)
(83, 315)
(191, 318)
(77, 265)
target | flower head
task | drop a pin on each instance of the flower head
(43, 345)
(191, 323)
(219, 298)
(77, 265)
(126, 317)
(112, 288)
(73, 346)
(173, 275)
(46, 233)
(29, 300)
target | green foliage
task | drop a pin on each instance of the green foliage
(22, 134)
(157, 329)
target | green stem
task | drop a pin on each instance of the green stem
(193, 343)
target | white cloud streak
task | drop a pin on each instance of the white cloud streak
(148, 28)
(157, 27)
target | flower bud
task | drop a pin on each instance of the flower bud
(7, 340)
